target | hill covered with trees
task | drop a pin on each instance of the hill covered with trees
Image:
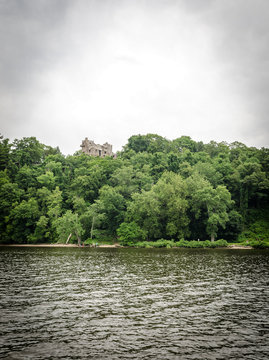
(154, 189)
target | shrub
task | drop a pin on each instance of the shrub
(161, 243)
(257, 232)
(181, 243)
(201, 244)
(258, 244)
(89, 242)
(129, 232)
(221, 243)
(141, 244)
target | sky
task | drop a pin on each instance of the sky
(110, 69)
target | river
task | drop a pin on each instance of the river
(84, 303)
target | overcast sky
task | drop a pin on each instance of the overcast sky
(109, 69)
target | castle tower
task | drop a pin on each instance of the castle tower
(90, 148)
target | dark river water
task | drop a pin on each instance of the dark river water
(84, 303)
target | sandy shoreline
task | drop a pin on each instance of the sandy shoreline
(56, 245)
(241, 247)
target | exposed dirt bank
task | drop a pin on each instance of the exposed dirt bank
(239, 247)
(57, 245)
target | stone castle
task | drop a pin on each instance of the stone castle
(90, 148)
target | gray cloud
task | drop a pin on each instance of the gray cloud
(110, 69)
(29, 38)
(240, 32)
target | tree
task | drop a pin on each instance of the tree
(28, 151)
(184, 142)
(42, 230)
(137, 143)
(150, 143)
(4, 152)
(127, 180)
(217, 208)
(47, 180)
(10, 196)
(111, 205)
(55, 204)
(171, 192)
(249, 183)
(144, 210)
(130, 232)
(216, 202)
(22, 221)
(26, 177)
(68, 225)
(164, 188)
(208, 172)
(161, 212)
(91, 221)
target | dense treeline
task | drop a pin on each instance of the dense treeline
(154, 189)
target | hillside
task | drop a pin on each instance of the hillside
(154, 189)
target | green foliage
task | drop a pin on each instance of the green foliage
(47, 180)
(201, 244)
(127, 180)
(258, 244)
(215, 202)
(4, 152)
(144, 210)
(257, 234)
(68, 224)
(155, 189)
(162, 210)
(147, 143)
(111, 206)
(161, 243)
(27, 151)
(22, 221)
(130, 232)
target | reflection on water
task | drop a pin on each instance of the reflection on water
(59, 303)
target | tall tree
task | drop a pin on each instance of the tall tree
(216, 202)
(4, 152)
(161, 212)
(68, 225)
(111, 205)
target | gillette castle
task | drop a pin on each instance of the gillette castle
(90, 148)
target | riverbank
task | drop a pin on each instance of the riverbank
(233, 246)
(58, 245)
(239, 247)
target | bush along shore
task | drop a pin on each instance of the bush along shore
(161, 243)
(153, 189)
(165, 244)
(198, 244)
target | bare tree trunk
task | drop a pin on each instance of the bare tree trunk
(68, 238)
(92, 226)
(212, 237)
(79, 240)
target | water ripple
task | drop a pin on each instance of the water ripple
(133, 304)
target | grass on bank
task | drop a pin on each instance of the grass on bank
(162, 243)
(256, 243)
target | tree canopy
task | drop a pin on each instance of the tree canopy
(155, 188)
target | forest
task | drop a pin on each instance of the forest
(154, 190)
